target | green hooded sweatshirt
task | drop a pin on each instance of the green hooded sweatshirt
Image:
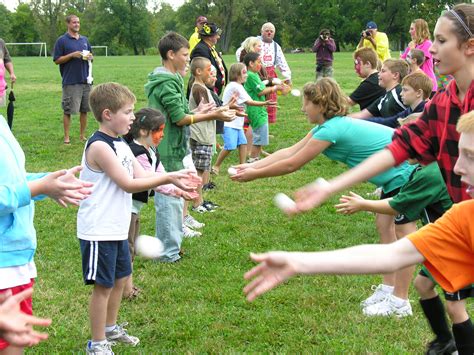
(165, 92)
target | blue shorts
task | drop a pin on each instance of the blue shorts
(103, 262)
(233, 138)
(260, 135)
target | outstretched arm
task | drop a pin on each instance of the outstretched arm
(276, 267)
(353, 203)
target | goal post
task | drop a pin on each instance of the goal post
(104, 47)
(42, 50)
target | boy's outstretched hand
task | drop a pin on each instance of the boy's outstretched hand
(63, 186)
(225, 114)
(310, 196)
(204, 107)
(274, 268)
(349, 204)
(16, 327)
(185, 179)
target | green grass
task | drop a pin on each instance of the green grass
(197, 305)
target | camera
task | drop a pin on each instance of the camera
(367, 33)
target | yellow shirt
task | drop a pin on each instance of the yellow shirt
(193, 40)
(381, 40)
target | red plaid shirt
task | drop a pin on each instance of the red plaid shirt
(433, 137)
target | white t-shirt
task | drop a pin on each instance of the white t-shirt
(17, 275)
(232, 88)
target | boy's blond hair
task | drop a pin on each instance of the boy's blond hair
(418, 55)
(235, 71)
(466, 123)
(397, 66)
(419, 81)
(199, 63)
(367, 55)
(327, 94)
(111, 96)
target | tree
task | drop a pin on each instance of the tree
(23, 29)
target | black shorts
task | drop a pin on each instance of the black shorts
(400, 218)
(103, 262)
(466, 292)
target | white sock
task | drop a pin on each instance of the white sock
(95, 343)
(110, 328)
(387, 288)
(398, 301)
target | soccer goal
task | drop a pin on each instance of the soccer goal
(28, 49)
(106, 48)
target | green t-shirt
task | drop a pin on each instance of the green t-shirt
(258, 115)
(424, 196)
(353, 141)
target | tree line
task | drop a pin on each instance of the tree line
(135, 26)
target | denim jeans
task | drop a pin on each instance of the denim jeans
(169, 225)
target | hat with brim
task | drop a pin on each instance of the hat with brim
(209, 29)
(371, 25)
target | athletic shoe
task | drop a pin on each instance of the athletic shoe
(189, 233)
(437, 348)
(209, 186)
(200, 209)
(210, 205)
(389, 307)
(378, 296)
(190, 222)
(120, 335)
(252, 160)
(99, 349)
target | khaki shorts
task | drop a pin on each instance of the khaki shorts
(76, 98)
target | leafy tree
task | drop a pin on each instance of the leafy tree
(5, 23)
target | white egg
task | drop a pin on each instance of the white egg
(148, 247)
(295, 92)
(283, 202)
(232, 171)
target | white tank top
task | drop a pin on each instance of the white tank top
(105, 214)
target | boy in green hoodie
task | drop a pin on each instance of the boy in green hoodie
(165, 92)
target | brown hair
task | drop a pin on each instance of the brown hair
(422, 31)
(419, 81)
(418, 55)
(466, 13)
(327, 94)
(171, 41)
(397, 66)
(367, 55)
(235, 71)
(466, 123)
(111, 96)
(70, 17)
(199, 63)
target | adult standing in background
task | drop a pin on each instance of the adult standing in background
(72, 52)
(376, 40)
(210, 34)
(420, 39)
(272, 57)
(324, 47)
(5, 63)
(194, 39)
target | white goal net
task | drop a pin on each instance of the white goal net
(28, 49)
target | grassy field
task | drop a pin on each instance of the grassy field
(197, 305)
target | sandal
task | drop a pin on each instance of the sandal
(133, 294)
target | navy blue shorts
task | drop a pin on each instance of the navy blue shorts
(103, 262)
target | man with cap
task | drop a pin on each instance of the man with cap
(372, 38)
(272, 57)
(206, 47)
(194, 39)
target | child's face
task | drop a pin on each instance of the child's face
(412, 31)
(255, 66)
(205, 73)
(386, 78)
(180, 59)
(465, 163)
(447, 55)
(120, 121)
(410, 95)
(313, 112)
(211, 81)
(243, 76)
(157, 136)
(362, 69)
(257, 48)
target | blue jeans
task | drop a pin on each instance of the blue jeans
(169, 225)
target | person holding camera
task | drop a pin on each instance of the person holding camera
(324, 47)
(372, 38)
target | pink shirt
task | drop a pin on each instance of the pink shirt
(427, 66)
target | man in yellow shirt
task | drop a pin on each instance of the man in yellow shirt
(194, 39)
(376, 40)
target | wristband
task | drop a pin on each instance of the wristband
(192, 119)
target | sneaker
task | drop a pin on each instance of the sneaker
(211, 206)
(120, 335)
(209, 186)
(252, 160)
(200, 209)
(99, 349)
(389, 307)
(437, 348)
(189, 233)
(378, 296)
(190, 222)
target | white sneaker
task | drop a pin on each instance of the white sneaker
(120, 335)
(99, 349)
(390, 306)
(190, 222)
(380, 293)
(189, 233)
